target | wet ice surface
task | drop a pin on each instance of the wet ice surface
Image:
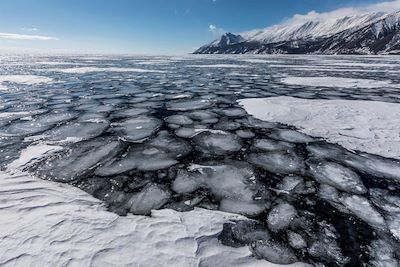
(140, 134)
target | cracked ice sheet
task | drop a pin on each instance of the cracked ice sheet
(23, 79)
(336, 82)
(368, 126)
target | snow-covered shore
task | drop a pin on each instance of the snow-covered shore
(368, 126)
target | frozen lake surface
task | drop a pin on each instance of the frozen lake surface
(168, 133)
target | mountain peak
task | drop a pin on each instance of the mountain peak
(229, 38)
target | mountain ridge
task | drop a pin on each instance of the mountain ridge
(373, 33)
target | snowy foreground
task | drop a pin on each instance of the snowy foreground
(199, 161)
(48, 224)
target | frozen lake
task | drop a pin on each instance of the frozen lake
(147, 133)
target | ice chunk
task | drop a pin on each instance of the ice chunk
(291, 136)
(179, 120)
(158, 153)
(278, 162)
(174, 147)
(233, 112)
(291, 184)
(76, 131)
(326, 150)
(281, 216)
(217, 143)
(79, 160)
(248, 208)
(22, 128)
(189, 105)
(203, 115)
(273, 252)
(252, 122)
(363, 209)
(36, 124)
(131, 112)
(185, 132)
(327, 249)
(382, 254)
(242, 233)
(137, 129)
(140, 158)
(234, 185)
(226, 125)
(271, 145)
(393, 222)
(187, 182)
(384, 200)
(336, 175)
(152, 196)
(375, 166)
(295, 240)
(93, 117)
(245, 134)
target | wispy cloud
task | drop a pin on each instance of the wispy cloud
(26, 37)
(29, 29)
(215, 30)
(387, 7)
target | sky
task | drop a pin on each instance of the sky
(151, 26)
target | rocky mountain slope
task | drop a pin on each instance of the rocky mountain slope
(375, 33)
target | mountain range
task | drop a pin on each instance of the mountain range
(372, 33)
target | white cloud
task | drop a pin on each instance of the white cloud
(215, 30)
(26, 37)
(387, 7)
(30, 29)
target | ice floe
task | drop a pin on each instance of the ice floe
(369, 126)
(337, 82)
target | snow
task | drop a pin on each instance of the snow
(49, 224)
(337, 82)
(368, 126)
(23, 79)
(298, 28)
(82, 70)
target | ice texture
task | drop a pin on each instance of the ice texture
(137, 129)
(152, 196)
(217, 143)
(336, 175)
(280, 216)
(278, 162)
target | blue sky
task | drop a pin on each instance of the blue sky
(141, 26)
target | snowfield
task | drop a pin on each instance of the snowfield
(336, 82)
(368, 126)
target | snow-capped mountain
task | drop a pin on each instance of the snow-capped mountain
(372, 33)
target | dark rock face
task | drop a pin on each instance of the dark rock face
(380, 37)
